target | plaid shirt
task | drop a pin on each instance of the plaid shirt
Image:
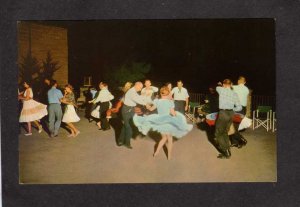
(228, 99)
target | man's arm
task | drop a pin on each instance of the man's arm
(237, 104)
(155, 89)
(138, 99)
(219, 89)
(186, 100)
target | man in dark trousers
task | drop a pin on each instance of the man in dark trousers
(181, 97)
(131, 99)
(228, 103)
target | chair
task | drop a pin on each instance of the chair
(274, 122)
(262, 117)
(190, 113)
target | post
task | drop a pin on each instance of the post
(249, 104)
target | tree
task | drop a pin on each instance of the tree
(132, 72)
(49, 67)
(29, 68)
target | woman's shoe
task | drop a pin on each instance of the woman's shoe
(40, 129)
(28, 134)
(76, 134)
(71, 135)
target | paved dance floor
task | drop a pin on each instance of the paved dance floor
(94, 157)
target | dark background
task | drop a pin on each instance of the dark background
(200, 52)
(285, 192)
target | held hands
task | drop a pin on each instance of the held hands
(148, 106)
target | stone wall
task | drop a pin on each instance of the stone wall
(45, 38)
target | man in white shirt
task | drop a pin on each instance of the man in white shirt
(242, 92)
(131, 99)
(103, 97)
(181, 97)
(148, 91)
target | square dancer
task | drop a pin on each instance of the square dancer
(228, 103)
(131, 99)
(54, 109)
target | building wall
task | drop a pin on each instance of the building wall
(45, 38)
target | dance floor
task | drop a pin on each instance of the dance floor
(94, 157)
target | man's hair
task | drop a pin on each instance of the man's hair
(227, 82)
(104, 84)
(242, 78)
(138, 83)
(180, 81)
(53, 82)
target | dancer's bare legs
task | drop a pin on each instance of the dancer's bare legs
(160, 144)
(28, 128)
(39, 126)
(99, 124)
(170, 145)
(74, 131)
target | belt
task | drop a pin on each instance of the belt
(53, 103)
(226, 109)
(129, 106)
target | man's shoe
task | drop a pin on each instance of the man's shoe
(225, 154)
(119, 143)
(128, 146)
(222, 156)
(234, 145)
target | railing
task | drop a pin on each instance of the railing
(261, 100)
(256, 100)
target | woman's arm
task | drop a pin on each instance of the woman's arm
(172, 112)
(27, 97)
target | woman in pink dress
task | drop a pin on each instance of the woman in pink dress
(32, 110)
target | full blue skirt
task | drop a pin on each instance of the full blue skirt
(177, 125)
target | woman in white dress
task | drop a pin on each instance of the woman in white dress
(70, 116)
(32, 110)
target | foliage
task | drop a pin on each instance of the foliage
(31, 71)
(132, 72)
(49, 67)
(29, 68)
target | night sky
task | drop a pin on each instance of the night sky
(199, 52)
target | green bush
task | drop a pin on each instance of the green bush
(135, 71)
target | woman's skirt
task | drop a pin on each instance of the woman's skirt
(32, 111)
(70, 115)
(177, 125)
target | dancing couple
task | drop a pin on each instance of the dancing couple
(33, 111)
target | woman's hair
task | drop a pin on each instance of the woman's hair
(27, 82)
(164, 91)
(126, 87)
(69, 86)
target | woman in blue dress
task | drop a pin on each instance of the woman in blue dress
(167, 122)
